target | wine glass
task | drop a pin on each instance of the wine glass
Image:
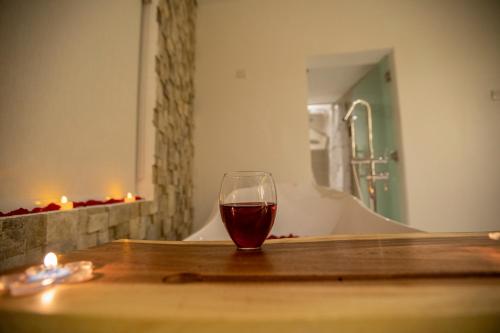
(247, 202)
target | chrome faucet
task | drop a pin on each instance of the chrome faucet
(370, 123)
(371, 161)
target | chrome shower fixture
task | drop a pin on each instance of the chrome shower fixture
(371, 161)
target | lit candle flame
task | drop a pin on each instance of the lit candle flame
(50, 260)
(65, 203)
(129, 198)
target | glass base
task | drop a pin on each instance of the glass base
(249, 249)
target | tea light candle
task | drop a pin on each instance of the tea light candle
(129, 198)
(38, 278)
(65, 204)
(49, 270)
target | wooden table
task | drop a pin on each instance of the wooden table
(378, 283)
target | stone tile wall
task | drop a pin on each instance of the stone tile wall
(172, 171)
(26, 239)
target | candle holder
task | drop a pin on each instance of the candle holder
(40, 277)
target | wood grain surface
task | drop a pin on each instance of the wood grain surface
(372, 283)
(337, 259)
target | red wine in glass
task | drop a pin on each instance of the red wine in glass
(248, 204)
(248, 223)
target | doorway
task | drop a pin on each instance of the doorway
(354, 128)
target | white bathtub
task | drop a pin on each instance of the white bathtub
(310, 210)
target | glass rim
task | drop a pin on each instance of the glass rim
(246, 173)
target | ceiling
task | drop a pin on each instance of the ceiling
(326, 85)
(331, 76)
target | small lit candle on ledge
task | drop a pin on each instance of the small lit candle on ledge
(129, 198)
(65, 204)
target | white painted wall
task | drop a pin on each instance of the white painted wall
(68, 99)
(447, 58)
